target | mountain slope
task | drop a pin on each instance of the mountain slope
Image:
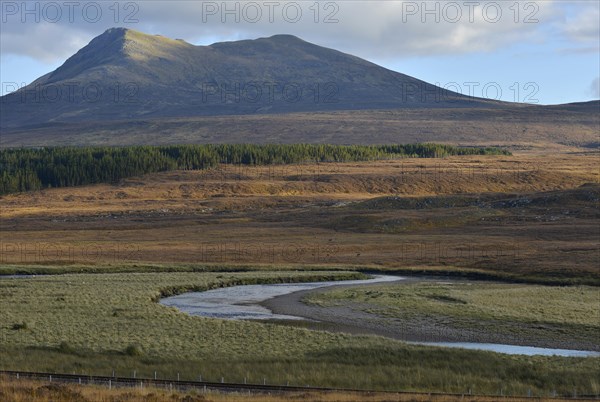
(124, 74)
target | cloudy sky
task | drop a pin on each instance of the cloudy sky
(544, 51)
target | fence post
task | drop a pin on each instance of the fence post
(155, 375)
(109, 384)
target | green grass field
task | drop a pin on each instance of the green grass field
(567, 313)
(96, 323)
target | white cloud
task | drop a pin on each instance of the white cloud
(584, 26)
(371, 29)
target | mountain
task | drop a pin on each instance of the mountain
(123, 75)
(126, 87)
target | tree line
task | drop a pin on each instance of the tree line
(27, 169)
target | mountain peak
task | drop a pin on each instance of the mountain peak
(115, 31)
(118, 46)
(141, 46)
(104, 49)
(112, 39)
(285, 37)
(174, 78)
(131, 35)
(135, 44)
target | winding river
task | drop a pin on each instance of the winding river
(243, 302)
(282, 302)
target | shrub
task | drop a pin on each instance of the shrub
(65, 347)
(133, 350)
(19, 326)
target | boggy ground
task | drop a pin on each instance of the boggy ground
(526, 217)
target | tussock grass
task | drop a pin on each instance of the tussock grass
(88, 323)
(526, 303)
(568, 314)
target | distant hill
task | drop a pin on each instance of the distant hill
(581, 107)
(124, 74)
(127, 87)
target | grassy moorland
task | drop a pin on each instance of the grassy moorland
(119, 246)
(567, 305)
(527, 218)
(537, 314)
(95, 324)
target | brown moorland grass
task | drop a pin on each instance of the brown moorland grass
(39, 391)
(521, 217)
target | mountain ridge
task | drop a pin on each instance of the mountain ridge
(158, 77)
(126, 88)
